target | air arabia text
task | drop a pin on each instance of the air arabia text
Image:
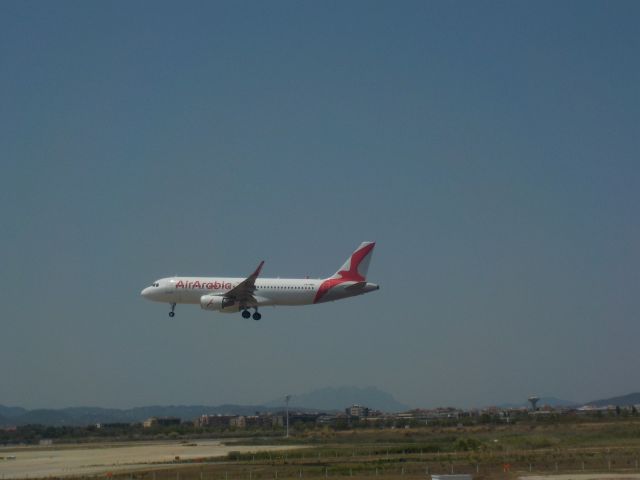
(204, 285)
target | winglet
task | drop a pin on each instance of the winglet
(255, 274)
(244, 290)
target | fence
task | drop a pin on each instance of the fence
(407, 467)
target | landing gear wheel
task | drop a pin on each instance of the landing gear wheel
(172, 313)
(246, 314)
(257, 316)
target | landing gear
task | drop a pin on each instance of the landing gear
(247, 314)
(172, 313)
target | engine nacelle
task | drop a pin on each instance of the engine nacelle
(218, 303)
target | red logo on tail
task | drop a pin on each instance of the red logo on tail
(355, 261)
(342, 276)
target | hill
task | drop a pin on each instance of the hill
(11, 412)
(550, 401)
(622, 400)
(89, 415)
(325, 399)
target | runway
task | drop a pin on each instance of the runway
(38, 462)
(585, 476)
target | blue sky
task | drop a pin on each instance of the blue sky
(490, 148)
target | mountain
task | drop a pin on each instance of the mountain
(623, 400)
(90, 415)
(10, 412)
(193, 411)
(339, 398)
(550, 401)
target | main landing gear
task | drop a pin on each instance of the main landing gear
(172, 313)
(246, 314)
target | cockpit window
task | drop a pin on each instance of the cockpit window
(156, 284)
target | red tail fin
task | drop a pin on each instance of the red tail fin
(356, 267)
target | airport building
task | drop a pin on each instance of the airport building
(113, 425)
(213, 421)
(238, 422)
(357, 411)
(160, 422)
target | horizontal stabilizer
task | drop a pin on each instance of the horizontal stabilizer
(356, 286)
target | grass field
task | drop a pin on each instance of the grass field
(489, 451)
(505, 451)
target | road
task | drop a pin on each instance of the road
(37, 462)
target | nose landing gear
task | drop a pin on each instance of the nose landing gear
(172, 313)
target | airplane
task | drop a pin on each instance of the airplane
(229, 295)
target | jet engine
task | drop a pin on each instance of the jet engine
(218, 303)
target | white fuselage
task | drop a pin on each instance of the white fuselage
(239, 294)
(268, 291)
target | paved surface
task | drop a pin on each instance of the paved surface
(585, 476)
(35, 462)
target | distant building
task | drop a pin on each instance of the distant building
(440, 413)
(160, 422)
(593, 409)
(213, 421)
(168, 421)
(113, 425)
(150, 422)
(326, 419)
(238, 422)
(303, 417)
(264, 420)
(357, 411)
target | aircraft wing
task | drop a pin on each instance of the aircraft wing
(243, 292)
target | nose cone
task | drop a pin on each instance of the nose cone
(145, 292)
